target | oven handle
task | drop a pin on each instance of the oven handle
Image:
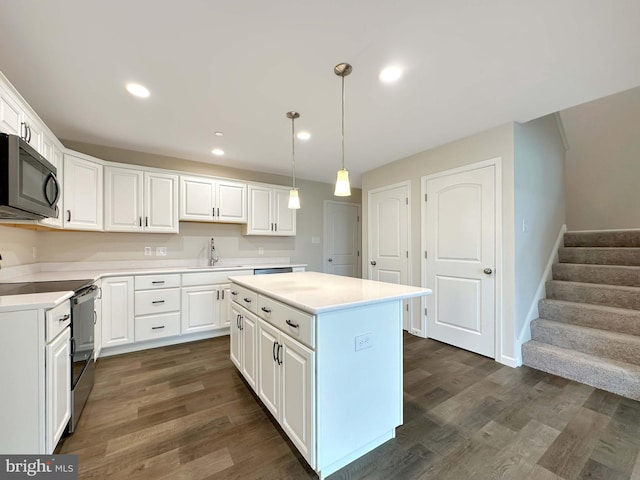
(73, 346)
(85, 295)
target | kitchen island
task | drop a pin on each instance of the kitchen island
(324, 355)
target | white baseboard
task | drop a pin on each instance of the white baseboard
(509, 361)
(606, 230)
(525, 331)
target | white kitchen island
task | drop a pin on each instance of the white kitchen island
(324, 354)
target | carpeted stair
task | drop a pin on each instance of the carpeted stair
(589, 325)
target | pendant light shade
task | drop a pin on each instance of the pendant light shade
(294, 198)
(343, 189)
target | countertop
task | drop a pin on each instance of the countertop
(317, 293)
(48, 300)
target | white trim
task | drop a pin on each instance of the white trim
(162, 342)
(499, 318)
(525, 331)
(561, 131)
(509, 361)
(325, 253)
(606, 230)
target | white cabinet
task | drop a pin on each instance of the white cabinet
(32, 132)
(243, 339)
(269, 213)
(212, 200)
(204, 308)
(138, 201)
(285, 384)
(117, 311)
(57, 388)
(82, 192)
(10, 114)
(97, 327)
(157, 306)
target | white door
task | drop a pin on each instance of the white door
(284, 218)
(117, 311)
(389, 239)
(342, 238)
(196, 198)
(236, 338)
(249, 324)
(10, 114)
(82, 192)
(460, 232)
(199, 308)
(231, 202)
(57, 392)
(268, 369)
(260, 218)
(123, 207)
(161, 202)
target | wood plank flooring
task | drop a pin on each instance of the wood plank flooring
(183, 412)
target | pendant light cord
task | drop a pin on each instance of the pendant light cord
(342, 122)
(293, 150)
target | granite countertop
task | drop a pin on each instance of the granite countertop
(317, 293)
(48, 300)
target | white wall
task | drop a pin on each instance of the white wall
(16, 246)
(497, 142)
(539, 204)
(603, 163)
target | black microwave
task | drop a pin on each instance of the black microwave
(29, 189)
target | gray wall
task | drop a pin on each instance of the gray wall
(603, 163)
(497, 142)
(539, 203)
(59, 245)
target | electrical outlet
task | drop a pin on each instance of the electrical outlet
(34, 252)
(364, 341)
(315, 240)
(161, 251)
(260, 250)
(147, 251)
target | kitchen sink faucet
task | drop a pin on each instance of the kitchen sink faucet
(213, 255)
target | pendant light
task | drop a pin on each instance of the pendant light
(294, 198)
(343, 189)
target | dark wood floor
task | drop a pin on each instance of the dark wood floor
(183, 412)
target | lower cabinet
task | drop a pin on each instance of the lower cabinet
(97, 329)
(243, 343)
(204, 307)
(117, 311)
(57, 388)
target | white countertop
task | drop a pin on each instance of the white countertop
(320, 292)
(47, 300)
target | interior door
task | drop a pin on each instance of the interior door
(342, 238)
(389, 239)
(460, 232)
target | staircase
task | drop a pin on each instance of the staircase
(589, 325)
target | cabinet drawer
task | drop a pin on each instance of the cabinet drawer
(211, 278)
(148, 282)
(157, 301)
(157, 326)
(295, 323)
(57, 319)
(244, 297)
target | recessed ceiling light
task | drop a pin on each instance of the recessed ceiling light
(390, 74)
(304, 135)
(138, 90)
(218, 152)
(218, 134)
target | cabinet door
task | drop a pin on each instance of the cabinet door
(97, 327)
(117, 311)
(231, 202)
(56, 160)
(298, 395)
(35, 133)
(225, 306)
(10, 114)
(259, 215)
(82, 194)
(199, 308)
(236, 338)
(57, 388)
(161, 203)
(284, 218)
(268, 369)
(123, 207)
(249, 324)
(196, 198)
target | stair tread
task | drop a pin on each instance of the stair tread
(611, 335)
(633, 268)
(622, 288)
(601, 248)
(594, 306)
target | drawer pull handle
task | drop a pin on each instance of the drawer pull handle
(248, 300)
(273, 350)
(234, 293)
(158, 301)
(157, 282)
(266, 310)
(64, 318)
(278, 354)
(157, 328)
(291, 324)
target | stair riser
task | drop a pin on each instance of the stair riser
(594, 294)
(577, 314)
(610, 275)
(612, 380)
(602, 239)
(597, 256)
(588, 341)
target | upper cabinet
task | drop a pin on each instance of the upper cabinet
(269, 213)
(138, 201)
(82, 190)
(10, 114)
(212, 200)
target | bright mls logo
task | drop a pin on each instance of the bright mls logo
(51, 467)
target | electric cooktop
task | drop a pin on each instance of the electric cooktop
(43, 287)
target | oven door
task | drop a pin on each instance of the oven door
(82, 335)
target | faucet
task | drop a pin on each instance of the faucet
(213, 256)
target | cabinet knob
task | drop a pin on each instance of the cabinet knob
(488, 271)
(373, 262)
(331, 259)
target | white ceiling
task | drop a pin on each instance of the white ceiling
(239, 65)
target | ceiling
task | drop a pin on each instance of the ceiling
(238, 66)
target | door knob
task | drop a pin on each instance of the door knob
(331, 259)
(373, 262)
(488, 271)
